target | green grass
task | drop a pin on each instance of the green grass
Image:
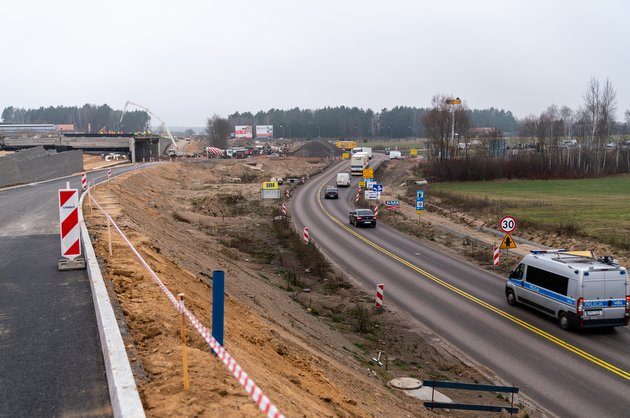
(599, 208)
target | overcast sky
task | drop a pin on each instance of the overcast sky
(188, 59)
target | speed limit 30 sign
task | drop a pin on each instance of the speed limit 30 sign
(507, 224)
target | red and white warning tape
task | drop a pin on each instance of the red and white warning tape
(260, 399)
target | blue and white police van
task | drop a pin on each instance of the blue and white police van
(575, 287)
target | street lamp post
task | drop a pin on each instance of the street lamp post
(319, 132)
(282, 126)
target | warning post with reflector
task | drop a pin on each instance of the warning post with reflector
(69, 230)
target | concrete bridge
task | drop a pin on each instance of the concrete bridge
(138, 147)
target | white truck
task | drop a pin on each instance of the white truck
(343, 180)
(395, 155)
(359, 162)
(367, 150)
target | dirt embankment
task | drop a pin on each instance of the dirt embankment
(306, 337)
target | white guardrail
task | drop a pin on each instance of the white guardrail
(119, 382)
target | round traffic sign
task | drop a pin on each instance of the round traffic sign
(507, 224)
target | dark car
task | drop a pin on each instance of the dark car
(331, 193)
(360, 217)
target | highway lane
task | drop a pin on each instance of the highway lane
(539, 357)
(51, 362)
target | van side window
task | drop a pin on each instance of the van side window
(519, 272)
(547, 280)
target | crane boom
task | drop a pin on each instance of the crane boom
(146, 109)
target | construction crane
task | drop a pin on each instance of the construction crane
(146, 109)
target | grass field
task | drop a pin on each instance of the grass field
(598, 208)
(400, 143)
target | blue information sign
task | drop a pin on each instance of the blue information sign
(419, 200)
(377, 187)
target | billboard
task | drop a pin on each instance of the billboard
(243, 131)
(264, 131)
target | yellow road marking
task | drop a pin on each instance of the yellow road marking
(593, 359)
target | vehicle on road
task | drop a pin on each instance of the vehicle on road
(343, 180)
(395, 155)
(331, 193)
(366, 150)
(575, 287)
(359, 217)
(358, 162)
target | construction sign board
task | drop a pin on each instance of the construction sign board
(345, 155)
(413, 151)
(368, 173)
(270, 185)
(507, 243)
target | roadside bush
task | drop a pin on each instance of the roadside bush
(362, 319)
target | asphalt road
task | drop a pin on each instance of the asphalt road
(51, 362)
(567, 373)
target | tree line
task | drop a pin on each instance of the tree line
(95, 116)
(560, 142)
(354, 122)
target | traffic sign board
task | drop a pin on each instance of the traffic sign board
(507, 243)
(507, 224)
(345, 155)
(413, 151)
(419, 201)
(377, 187)
(368, 173)
(270, 185)
(361, 184)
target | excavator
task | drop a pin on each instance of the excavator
(146, 109)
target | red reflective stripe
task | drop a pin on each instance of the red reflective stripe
(64, 195)
(70, 222)
(74, 249)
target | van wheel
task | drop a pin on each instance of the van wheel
(511, 298)
(563, 321)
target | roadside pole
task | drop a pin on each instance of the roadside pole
(182, 332)
(218, 304)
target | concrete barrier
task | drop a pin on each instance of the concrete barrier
(37, 164)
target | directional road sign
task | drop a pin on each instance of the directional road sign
(377, 187)
(419, 201)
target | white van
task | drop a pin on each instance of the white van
(575, 287)
(343, 180)
(395, 155)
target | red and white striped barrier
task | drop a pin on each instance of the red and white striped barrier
(69, 230)
(375, 211)
(495, 255)
(380, 288)
(284, 209)
(83, 181)
(358, 195)
(287, 193)
(306, 235)
(255, 393)
(109, 173)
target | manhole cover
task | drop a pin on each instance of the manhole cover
(406, 383)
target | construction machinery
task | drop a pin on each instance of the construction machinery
(146, 109)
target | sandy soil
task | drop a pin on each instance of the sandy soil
(299, 346)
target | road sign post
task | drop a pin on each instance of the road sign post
(508, 224)
(419, 201)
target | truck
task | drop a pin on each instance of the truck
(576, 288)
(395, 155)
(367, 150)
(359, 162)
(346, 145)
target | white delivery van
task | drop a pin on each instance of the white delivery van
(577, 288)
(343, 180)
(395, 155)
(358, 162)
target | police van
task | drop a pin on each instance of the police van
(577, 288)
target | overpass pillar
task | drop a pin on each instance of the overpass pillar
(132, 148)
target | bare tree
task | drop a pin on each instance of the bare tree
(600, 104)
(218, 130)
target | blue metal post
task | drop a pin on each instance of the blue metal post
(218, 304)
